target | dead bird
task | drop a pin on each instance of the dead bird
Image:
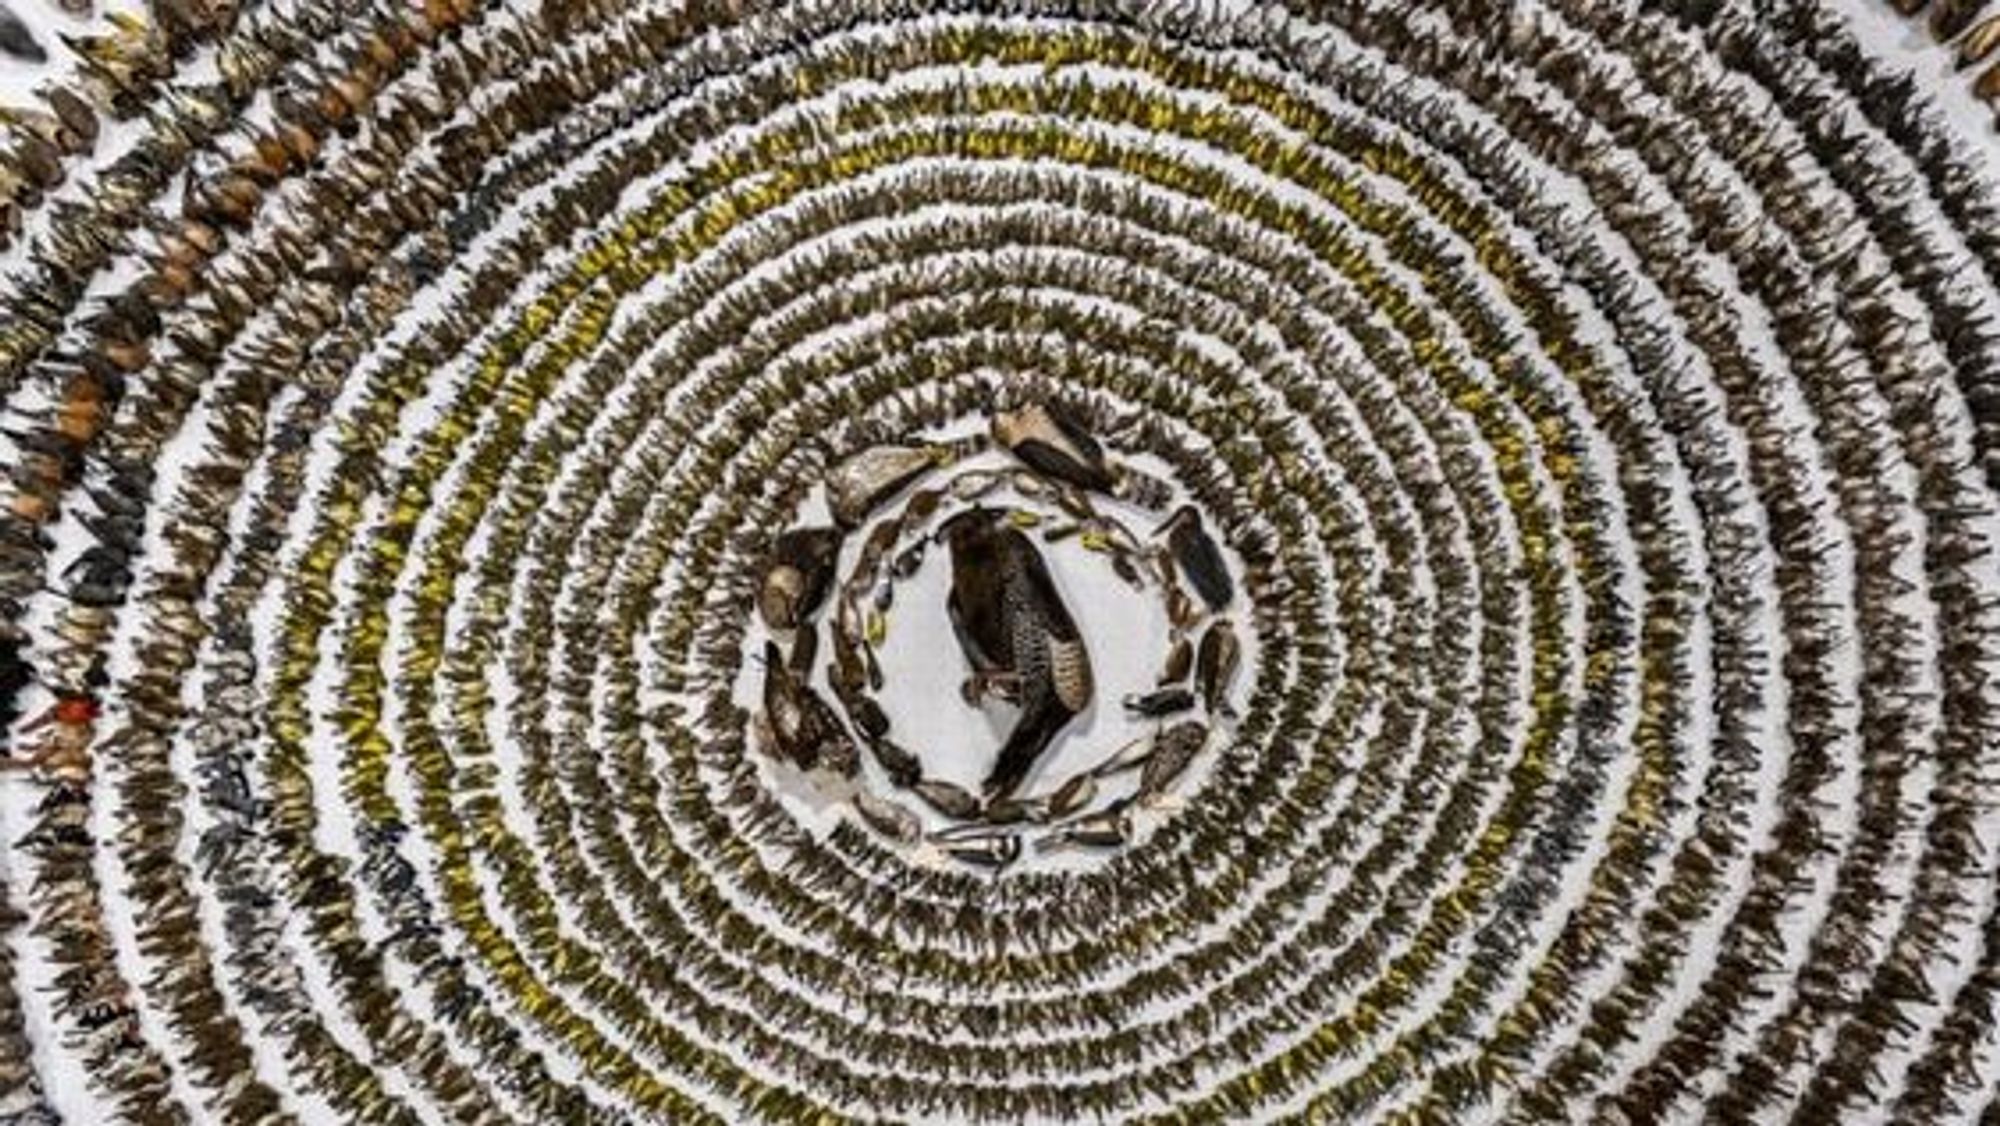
(1056, 444)
(1987, 86)
(948, 798)
(891, 819)
(68, 125)
(1071, 796)
(17, 40)
(1216, 662)
(1950, 17)
(1017, 634)
(868, 716)
(804, 727)
(797, 576)
(1979, 42)
(861, 482)
(876, 547)
(79, 121)
(902, 767)
(995, 852)
(1173, 751)
(1163, 702)
(1110, 829)
(1195, 553)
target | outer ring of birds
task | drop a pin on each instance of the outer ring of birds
(1580, 617)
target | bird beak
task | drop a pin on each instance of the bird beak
(1169, 521)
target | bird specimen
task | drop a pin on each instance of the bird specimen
(1018, 636)
(470, 469)
(1197, 557)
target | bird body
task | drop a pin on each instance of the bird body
(1216, 661)
(1173, 751)
(1054, 444)
(1018, 636)
(804, 727)
(1198, 558)
(864, 480)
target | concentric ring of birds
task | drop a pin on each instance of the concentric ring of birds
(1035, 561)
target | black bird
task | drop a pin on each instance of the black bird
(1197, 557)
(1017, 634)
(1055, 444)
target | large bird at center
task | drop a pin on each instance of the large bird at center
(1019, 637)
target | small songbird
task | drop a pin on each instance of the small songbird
(1197, 557)
(1215, 664)
(1055, 444)
(803, 727)
(1019, 637)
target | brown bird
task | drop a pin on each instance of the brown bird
(804, 727)
(1055, 444)
(1019, 637)
(796, 576)
(1215, 663)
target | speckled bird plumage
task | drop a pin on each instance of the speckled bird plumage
(1013, 626)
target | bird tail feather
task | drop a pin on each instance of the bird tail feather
(1040, 720)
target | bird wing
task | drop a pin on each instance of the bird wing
(1038, 587)
(1068, 660)
(1054, 461)
(979, 630)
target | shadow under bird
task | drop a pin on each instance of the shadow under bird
(1017, 634)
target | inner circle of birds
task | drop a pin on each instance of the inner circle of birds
(1025, 658)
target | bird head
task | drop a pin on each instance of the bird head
(1182, 514)
(966, 526)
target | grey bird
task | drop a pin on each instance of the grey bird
(17, 40)
(1198, 558)
(1018, 636)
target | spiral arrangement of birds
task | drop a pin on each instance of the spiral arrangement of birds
(1454, 549)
